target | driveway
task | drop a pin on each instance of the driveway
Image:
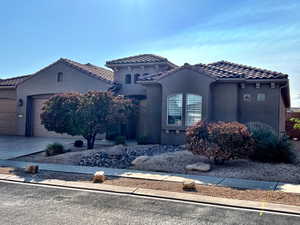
(16, 146)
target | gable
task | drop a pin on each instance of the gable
(45, 81)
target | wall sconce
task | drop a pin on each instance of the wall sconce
(20, 102)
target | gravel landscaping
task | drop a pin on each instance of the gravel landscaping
(173, 159)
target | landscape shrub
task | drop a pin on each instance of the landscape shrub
(220, 141)
(292, 130)
(78, 143)
(54, 149)
(143, 140)
(269, 147)
(120, 140)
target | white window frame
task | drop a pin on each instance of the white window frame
(186, 108)
(181, 111)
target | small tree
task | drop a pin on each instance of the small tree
(219, 141)
(92, 114)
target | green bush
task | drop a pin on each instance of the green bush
(54, 149)
(120, 140)
(269, 147)
(78, 143)
(219, 141)
(143, 140)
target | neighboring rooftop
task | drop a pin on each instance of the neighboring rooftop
(144, 58)
(223, 70)
(13, 82)
(96, 71)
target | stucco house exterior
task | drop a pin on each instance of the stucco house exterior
(171, 97)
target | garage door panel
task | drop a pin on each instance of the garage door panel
(8, 117)
(7, 106)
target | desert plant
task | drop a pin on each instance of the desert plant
(54, 149)
(143, 140)
(120, 140)
(78, 143)
(290, 129)
(86, 114)
(296, 123)
(219, 141)
(269, 147)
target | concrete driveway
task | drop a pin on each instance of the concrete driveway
(16, 146)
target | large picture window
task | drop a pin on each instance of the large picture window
(193, 110)
(174, 109)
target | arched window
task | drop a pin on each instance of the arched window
(60, 77)
(193, 109)
(174, 108)
(136, 77)
(128, 79)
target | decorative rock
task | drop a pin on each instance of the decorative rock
(200, 166)
(33, 169)
(99, 177)
(189, 185)
(295, 139)
(139, 160)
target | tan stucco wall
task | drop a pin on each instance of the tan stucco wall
(266, 111)
(225, 102)
(187, 82)
(45, 82)
(135, 89)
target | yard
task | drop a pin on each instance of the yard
(171, 159)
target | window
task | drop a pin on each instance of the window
(136, 77)
(174, 111)
(128, 79)
(193, 109)
(60, 77)
(261, 97)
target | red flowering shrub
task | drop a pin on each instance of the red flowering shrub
(220, 141)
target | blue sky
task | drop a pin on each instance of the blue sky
(262, 33)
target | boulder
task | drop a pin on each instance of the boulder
(189, 185)
(139, 160)
(200, 166)
(99, 177)
(32, 169)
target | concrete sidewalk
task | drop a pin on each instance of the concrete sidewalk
(205, 180)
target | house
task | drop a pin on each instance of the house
(171, 97)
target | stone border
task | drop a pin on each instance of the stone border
(185, 197)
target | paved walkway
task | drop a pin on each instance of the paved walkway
(206, 180)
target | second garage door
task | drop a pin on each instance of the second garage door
(8, 116)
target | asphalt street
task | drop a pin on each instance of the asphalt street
(31, 204)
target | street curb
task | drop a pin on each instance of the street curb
(166, 195)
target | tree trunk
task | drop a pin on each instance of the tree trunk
(91, 141)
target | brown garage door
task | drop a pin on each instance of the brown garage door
(39, 129)
(8, 116)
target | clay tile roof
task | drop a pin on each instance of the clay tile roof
(144, 58)
(248, 72)
(14, 81)
(95, 71)
(223, 70)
